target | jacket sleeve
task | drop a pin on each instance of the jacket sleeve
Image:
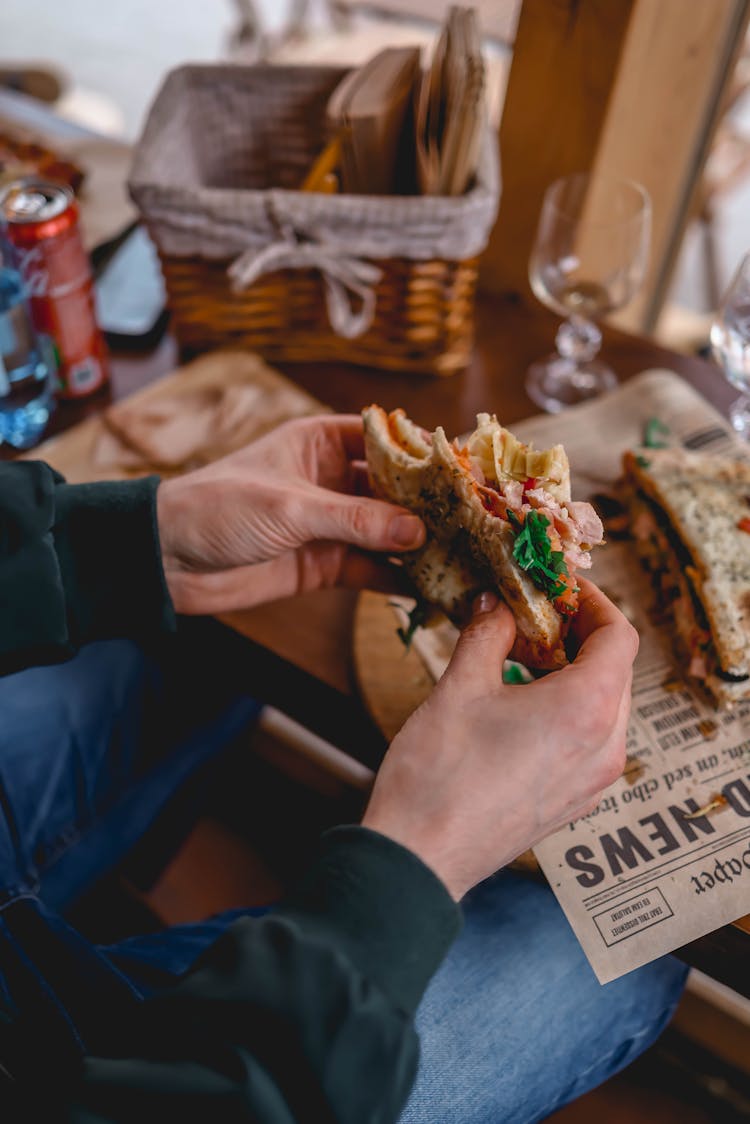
(304, 1015)
(78, 562)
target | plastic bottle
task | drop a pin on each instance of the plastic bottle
(27, 364)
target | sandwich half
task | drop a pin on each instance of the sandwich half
(498, 515)
(690, 518)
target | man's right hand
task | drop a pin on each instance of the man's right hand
(484, 770)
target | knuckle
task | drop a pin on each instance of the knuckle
(289, 510)
(285, 502)
(359, 519)
(299, 425)
(611, 764)
(290, 433)
(633, 637)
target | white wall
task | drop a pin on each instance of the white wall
(120, 48)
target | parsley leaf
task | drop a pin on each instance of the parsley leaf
(512, 673)
(417, 618)
(533, 552)
(655, 434)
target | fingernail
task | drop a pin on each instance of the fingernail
(486, 602)
(406, 530)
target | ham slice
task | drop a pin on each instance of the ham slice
(576, 522)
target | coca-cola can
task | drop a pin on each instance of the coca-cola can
(40, 221)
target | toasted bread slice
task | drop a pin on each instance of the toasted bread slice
(698, 502)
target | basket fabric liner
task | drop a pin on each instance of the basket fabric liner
(214, 129)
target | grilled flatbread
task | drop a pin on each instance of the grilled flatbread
(688, 511)
(498, 515)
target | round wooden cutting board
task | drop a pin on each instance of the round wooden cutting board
(392, 681)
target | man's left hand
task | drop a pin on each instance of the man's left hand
(280, 517)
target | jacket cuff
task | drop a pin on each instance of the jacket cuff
(386, 909)
(107, 543)
(34, 628)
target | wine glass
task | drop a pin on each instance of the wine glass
(730, 343)
(589, 258)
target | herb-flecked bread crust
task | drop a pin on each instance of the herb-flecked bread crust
(704, 497)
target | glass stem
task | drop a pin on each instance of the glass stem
(578, 339)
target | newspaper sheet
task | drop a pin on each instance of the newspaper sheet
(642, 874)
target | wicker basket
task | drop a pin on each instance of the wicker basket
(248, 260)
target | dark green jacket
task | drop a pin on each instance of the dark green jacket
(303, 1015)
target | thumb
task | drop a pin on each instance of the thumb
(367, 523)
(483, 645)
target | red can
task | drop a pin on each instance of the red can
(41, 222)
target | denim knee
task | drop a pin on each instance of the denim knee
(68, 732)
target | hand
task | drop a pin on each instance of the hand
(484, 770)
(278, 518)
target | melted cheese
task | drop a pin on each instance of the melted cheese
(502, 457)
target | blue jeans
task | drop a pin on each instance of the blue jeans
(513, 1025)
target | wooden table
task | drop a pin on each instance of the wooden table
(312, 635)
(298, 652)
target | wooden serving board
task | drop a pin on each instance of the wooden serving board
(84, 453)
(72, 453)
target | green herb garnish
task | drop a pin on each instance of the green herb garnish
(642, 462)
(417, 618)
(533, 552)
(654, 434)
(513, 674)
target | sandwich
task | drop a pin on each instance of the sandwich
(690, 518)
(498, 515)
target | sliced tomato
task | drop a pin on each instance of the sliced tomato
(744, 524)
(555, 541)
(567, 602)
